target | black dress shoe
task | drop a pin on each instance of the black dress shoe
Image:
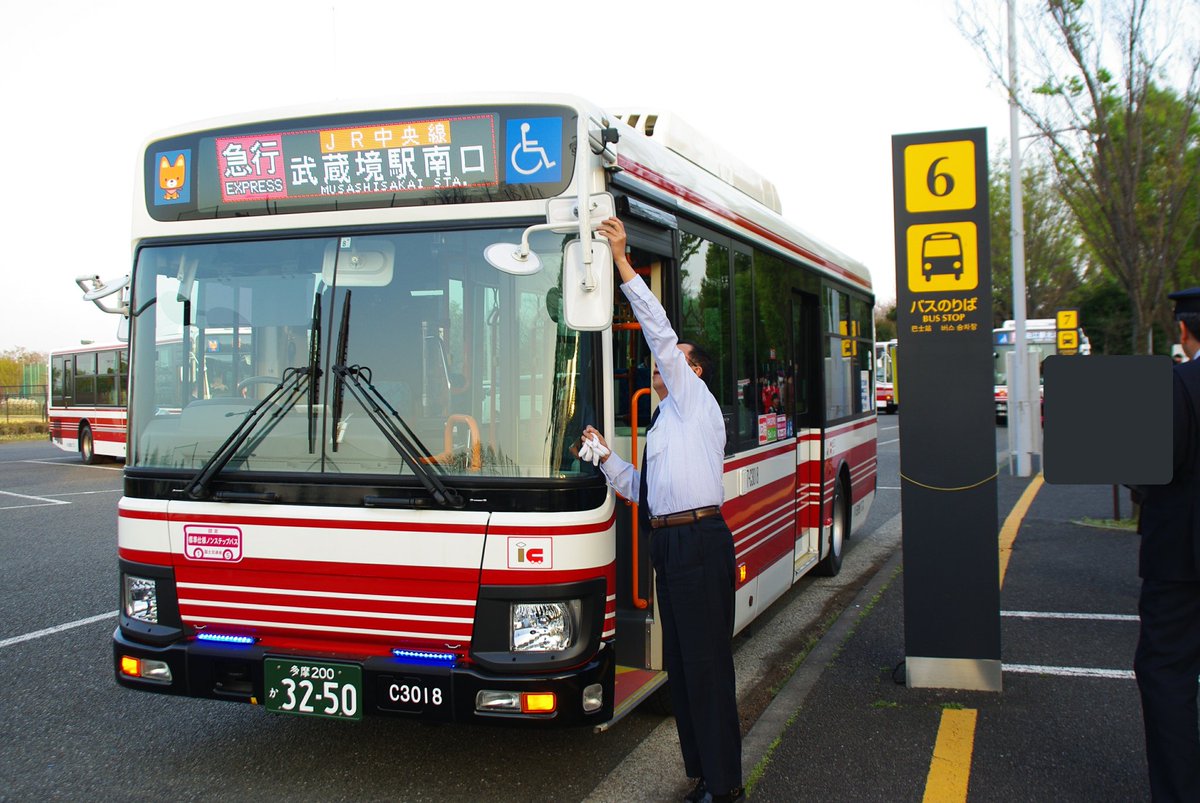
(729, 797)
(698, 793)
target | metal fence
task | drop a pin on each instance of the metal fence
(23, 403)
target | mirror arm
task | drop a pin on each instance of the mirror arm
(585, 239)
(522, 253)
(95, 290)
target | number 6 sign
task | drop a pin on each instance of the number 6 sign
(939, 176)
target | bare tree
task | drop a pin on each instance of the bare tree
(1124, 145)
(1055, 261)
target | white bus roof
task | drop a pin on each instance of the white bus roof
(1032, 323)
(662, 152)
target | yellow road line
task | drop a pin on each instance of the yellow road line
(950, 770)
(1008, 533)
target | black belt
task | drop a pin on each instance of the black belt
(684, 517)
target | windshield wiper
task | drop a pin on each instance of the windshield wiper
(290, 390)
(401, 437)
(314, 373)
(339, 358)
(397, 432)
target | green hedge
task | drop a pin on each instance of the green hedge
(24, 430)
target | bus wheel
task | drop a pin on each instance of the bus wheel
(831, 564)
(87, 447)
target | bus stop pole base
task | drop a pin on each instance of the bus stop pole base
(972, 674)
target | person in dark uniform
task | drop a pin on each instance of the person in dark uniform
(691, 547)
(1167, 662)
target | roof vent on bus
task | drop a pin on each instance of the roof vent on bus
(691, 144)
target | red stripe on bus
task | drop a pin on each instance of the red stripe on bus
(664, 183)
(736, 463)
(527, 577)
(334, 578)
(433, 528)
(315, 621)
(591, 528)
(348, 601)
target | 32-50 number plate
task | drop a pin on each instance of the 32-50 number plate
(312, 688)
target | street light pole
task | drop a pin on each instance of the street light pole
(1019, 414)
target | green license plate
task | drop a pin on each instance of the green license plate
(312, 688)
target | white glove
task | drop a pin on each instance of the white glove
(592, 451)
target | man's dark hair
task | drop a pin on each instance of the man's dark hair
(1192, 321)
(699, 356)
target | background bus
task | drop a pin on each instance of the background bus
(887, 388)
(384, 496)
(88, 388)
(1041, 339)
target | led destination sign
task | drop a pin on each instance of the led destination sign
(407, 157)
(380, 159)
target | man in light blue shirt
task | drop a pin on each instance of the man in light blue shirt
(680, 487)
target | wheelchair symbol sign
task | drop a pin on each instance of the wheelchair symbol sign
(534, 148)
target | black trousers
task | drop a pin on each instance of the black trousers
(1167, 665)
(695, 579)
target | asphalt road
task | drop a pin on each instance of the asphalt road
(73, 733)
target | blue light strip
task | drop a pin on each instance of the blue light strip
(427, 658)
(225, 638)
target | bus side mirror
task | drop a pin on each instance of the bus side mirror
(587, 287)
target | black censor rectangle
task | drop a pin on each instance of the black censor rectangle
(1107, 420)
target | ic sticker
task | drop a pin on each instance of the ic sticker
(530, 553)
(208, 542)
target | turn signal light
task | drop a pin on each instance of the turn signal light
(743, 571)
(146, 669)
(538, 703)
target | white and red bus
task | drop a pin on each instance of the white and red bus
(88, 386)
(887, 387)
(1041, 339)
(375, 508)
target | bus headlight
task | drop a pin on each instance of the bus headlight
(140, 598)
(544, 626)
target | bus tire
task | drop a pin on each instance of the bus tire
(87, 446)
(831, 564)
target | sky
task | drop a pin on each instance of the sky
(809, 94)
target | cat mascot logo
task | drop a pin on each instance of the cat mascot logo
(171, 177)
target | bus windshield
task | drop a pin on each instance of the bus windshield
(411, 331)
(1000, 358)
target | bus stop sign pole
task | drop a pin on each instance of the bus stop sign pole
(947, 435)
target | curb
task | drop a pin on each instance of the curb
(759, 744)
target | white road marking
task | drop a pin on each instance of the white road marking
(1096, 617)
(885, 443)
(1069, 671)
(40, 500)
(49, 631)
(63, 461)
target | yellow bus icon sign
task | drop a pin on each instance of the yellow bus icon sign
(942, 256)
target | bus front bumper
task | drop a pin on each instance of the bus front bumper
(581, 695)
